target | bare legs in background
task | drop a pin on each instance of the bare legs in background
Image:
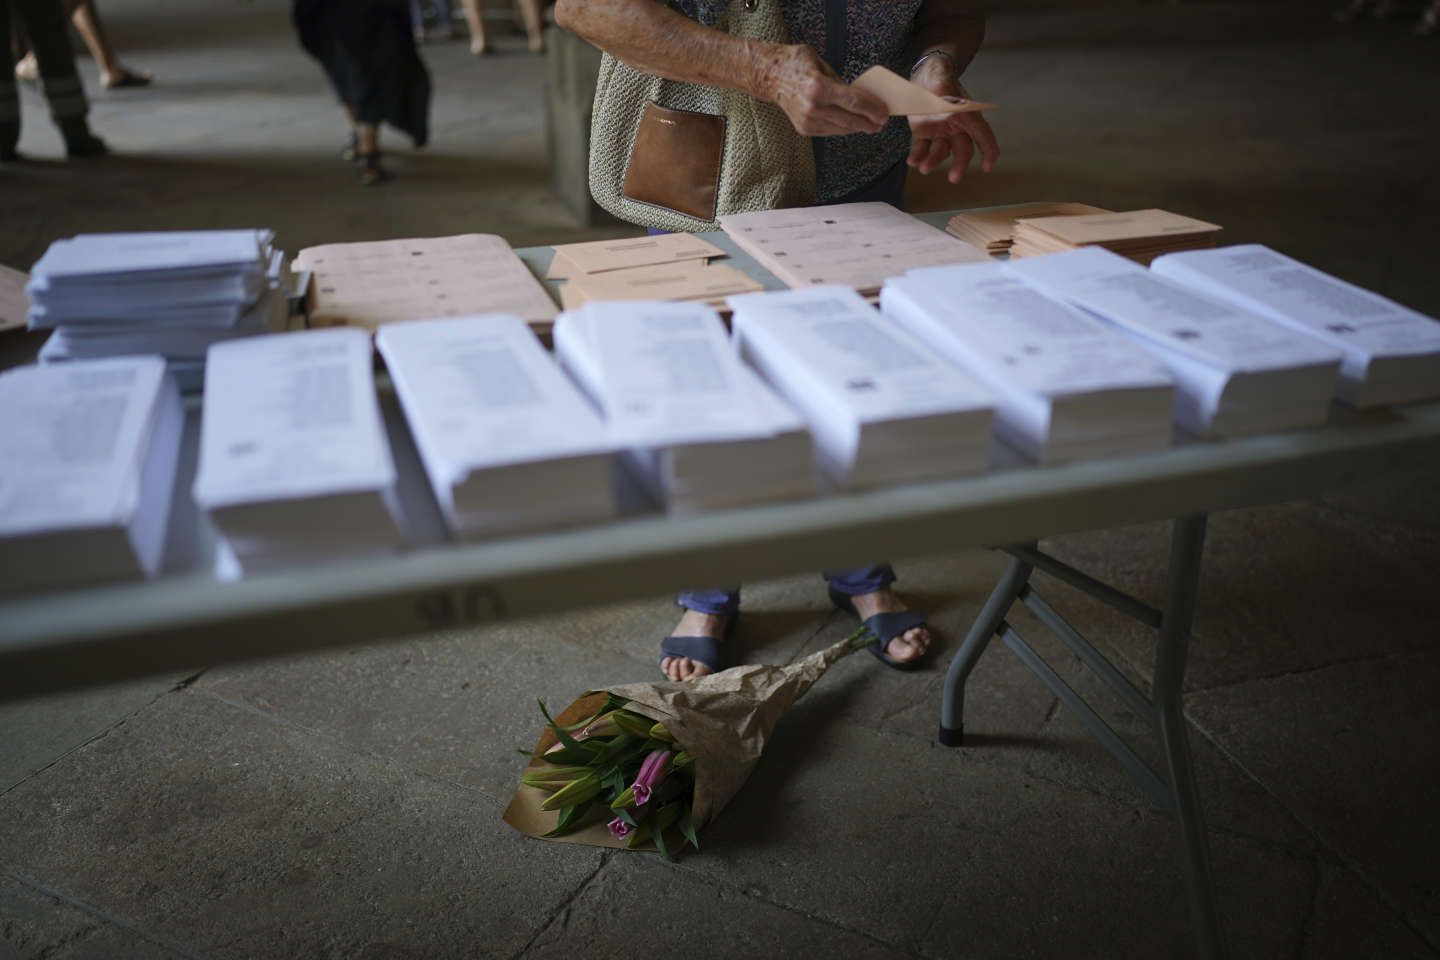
(86, 19)
(530, 13)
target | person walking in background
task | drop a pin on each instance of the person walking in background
(367, 48)
(530, 13)
(44, 24)
(86, 19)
(444, 21)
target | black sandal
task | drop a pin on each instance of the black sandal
(372, 174)
(885, 627)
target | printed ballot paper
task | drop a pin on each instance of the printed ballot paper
(883, 409)
(14, 303)
(686, 280)
(856, 245)
(1236, 372)
(1140, 235)
(508, 442)
(1391, 353)
(905, 98)
(87, 468)
(295, 465)
(699, 428)
(369, 284)
(1069, 387)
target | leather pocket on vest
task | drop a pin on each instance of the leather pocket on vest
(675, 162)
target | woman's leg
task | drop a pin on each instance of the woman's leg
(707, 614)
(45, 25)
(113, 73)
(534, 24)
(869, 589)
(475, 19)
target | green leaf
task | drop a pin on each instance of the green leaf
(581, 755)
(569, 816)
(687, 827)
(560, 731)
(660, 845)
(625, 815)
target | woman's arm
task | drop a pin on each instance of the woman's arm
(954, 30)
(650, 36)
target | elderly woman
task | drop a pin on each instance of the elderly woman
(861, 154)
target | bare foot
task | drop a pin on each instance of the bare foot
(693, 624)
(27, 69)
(479, 46)
(910, 645)
(125, 77)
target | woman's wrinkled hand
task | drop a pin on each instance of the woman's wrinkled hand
(935, 137)
(818, 102)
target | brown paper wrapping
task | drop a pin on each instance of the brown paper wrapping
(723, 720)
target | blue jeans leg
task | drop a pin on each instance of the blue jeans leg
(861, 579)
(718, 602)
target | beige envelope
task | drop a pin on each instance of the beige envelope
(1109, 228)
(907, 99)
(681, 281)
(602, 256)
(14, 302)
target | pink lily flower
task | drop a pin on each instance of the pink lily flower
(619, 829)
(652, 770)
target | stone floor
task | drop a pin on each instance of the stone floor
(347, 805)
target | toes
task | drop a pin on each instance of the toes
(909, 646)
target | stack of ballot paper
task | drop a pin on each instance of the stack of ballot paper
(369, 284)
(991, 228)
(856, 245)
(295, 465)
(1391, 353)
(1069, 386)
(1235, 371)
(88, 458)
(1141, 235)
(508, 442)
(671, 266)
(168, 293)
(883, 409)
(699, 428)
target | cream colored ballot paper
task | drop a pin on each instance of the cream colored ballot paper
(991, 229)
(369, 284)
(603, 256)
(908, 99)
(14, 303)
(856, 245)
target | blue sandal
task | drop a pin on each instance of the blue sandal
(703, 650)
(885, 627)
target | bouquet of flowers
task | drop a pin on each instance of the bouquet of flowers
(649, 764)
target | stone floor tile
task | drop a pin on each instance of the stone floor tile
(638, 902)
(1340, 747)
(37, 926)
(1350, 923)
(214, 827)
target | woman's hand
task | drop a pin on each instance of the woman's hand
(938, 136)
(818, 102)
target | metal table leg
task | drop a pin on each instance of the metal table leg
(1175, 792)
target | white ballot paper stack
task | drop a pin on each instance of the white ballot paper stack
(1392, 353)
(699, 428)
(87, 467)
(167, 293)
(1069, 386)
(1236, 372)
(295, 465)
(855, 245)
(508, 442)
(882, 408)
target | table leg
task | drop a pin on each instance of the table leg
(952, 704)
(1182, 580)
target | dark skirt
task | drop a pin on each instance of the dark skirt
(368, 51)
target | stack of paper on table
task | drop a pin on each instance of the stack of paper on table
(168, 293)
(294, 464)
(369, 284)
(699, 427)
(508, 442)
(670, 266)
(1069, 387)
(87, 468)
(991, 229)
(1141, 235)
(1391, 353)
(14, 303)
(856, 245)
(882, 407)
(1236, 372)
